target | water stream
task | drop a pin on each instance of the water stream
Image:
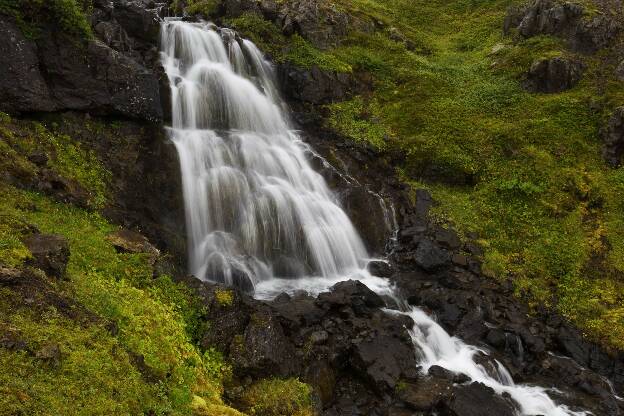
(258, 216)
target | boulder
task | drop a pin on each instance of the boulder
(50, 253)
(613, 138)
(263, 350)
(126, 241)
(314, 85)
(430, 256)
(564, 19)
(350, 293)
(426, 393)
(477, 399)
(380, 268)
(553, 75)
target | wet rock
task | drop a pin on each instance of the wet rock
(50, 253)
(553, 75)
(613, 138)
(379, 268)
(350, 293)
(369, 215)
(430, 256)
(477, 399)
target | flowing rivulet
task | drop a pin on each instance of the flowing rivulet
(258, 213)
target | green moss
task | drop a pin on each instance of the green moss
(293, 49)
(154, 319)
(66, 157)
(356, 120)
(70, 16)
(203, 7)
(224, 297)
(523, 171)
(275, 397)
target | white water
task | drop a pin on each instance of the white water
(258, 216)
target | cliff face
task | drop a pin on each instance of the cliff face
(509, 225)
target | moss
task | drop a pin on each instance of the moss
(70, 16)
(153, 320)
(66, 157)
(224, 297)
(205, 8)
(523, 171)
(275, 397)
(293, 49)
(356, 120)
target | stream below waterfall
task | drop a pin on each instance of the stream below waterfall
(259, 217)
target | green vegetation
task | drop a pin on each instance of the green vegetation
(523, 171)
(205, 8)
(154, 319)
(128, 344)
(275, 397)
(224, 297)
(67, 158)
(293, 49)
(68, 15)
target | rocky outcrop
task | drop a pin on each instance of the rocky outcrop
(335, 342)
(568, 20)
(115, 74)
(613, 138)
(553, 75)
(540, 348)
(316, 86)
(50, 253)
(319, 21)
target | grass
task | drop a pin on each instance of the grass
(70, 16)
(277, 397)
(155, 319)
(523, 171)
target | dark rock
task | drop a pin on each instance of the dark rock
(38, 158)
(477, 399)
(430, 256)
(62, 189)
(369, 215)
(55, 74)
(50, 353)
(553, 75)
(447, 238)
(50, 252)
(566, 20)
(126, 241)
(263, 349)
(619, 71)
(379, 268)
(322, 377)
(138, 19)
(352, 293)
(426, 393)
(315, 86)
(613, 138)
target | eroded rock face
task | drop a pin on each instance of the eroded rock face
(114, 75)
(553, 75)
(50, 253)
(565, 19)
(613, 138)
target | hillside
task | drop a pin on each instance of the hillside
(489, 135)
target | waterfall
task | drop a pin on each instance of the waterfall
(255, 208)
(258, 216)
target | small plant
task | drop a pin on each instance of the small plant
(224, 297)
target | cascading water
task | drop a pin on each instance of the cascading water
(258, 216)
(255, 209)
